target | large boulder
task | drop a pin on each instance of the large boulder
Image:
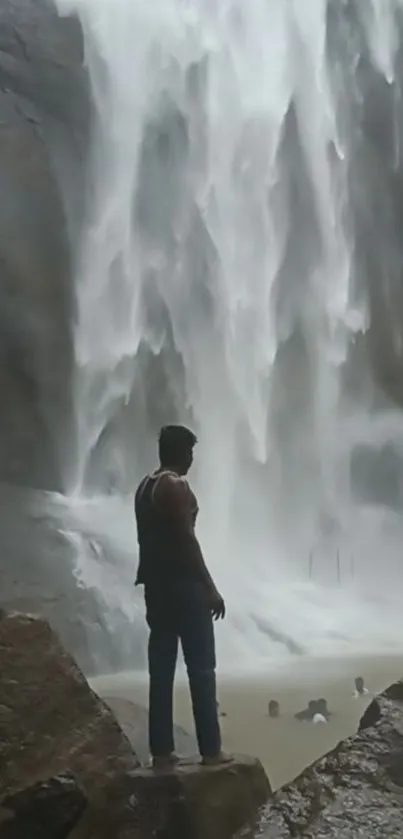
(50, 719)
(192, 802)
(355, 791)
(47, 810)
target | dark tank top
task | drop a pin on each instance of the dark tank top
(162, 561)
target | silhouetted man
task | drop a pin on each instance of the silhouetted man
(181, 599)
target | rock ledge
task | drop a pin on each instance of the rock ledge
(191, 802)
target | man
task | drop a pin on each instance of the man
(360, 689)
(181, 599)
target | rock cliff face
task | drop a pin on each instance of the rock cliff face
(44, 130)
(355, 791)
(44, 111)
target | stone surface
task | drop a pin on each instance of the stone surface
(44, 121)
(47, 810)
(192, 802)
(133, 719)
(44, 129)
(395, 691)
(355, 792)
(50, 719)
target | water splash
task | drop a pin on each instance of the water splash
(217, 281)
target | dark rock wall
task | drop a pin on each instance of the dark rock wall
(44, 114)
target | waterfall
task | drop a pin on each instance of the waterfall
(222, 280)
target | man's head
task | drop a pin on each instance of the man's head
(176, 444)
(274, 709)
(359, 684)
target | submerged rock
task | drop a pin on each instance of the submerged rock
(48, 810)
(50, 719)
(355, 792)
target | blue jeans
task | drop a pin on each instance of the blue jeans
(181, 614)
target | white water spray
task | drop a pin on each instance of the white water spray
(216, 284)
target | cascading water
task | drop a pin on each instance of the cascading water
(219, 282)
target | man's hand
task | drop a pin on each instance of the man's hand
(217, 605)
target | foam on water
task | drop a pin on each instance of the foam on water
(216, 284)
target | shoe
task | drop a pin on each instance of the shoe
(161, 762)
(218, 760)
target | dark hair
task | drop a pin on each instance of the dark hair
(174, 442)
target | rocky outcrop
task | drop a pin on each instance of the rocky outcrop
(355, 791)
(50, 719)
(48, 810)
(395, 692)
(192, 802)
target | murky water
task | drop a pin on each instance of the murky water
(285, 746)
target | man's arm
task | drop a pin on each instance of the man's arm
(173, 496)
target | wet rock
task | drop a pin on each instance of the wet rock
(371, 716)
(395, 691)
(48, 810)
(133, 719)
(44, 127)
(50, 719)
(44, 119)
(355, 792)
(191, 802)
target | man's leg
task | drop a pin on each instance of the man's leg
(162, 655)
(196, 631)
